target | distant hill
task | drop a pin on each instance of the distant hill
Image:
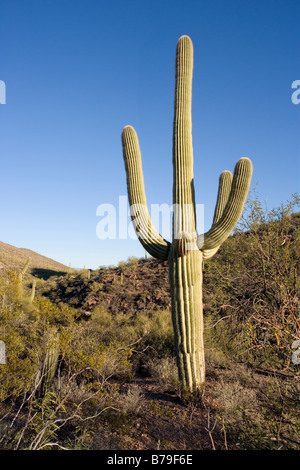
(140, 284)
(12, 257)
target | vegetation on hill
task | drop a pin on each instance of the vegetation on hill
(132, 287)
(108, 339)
(15, 258)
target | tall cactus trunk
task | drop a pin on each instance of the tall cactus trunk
(185, 274)
(187, 250)
(185, 262)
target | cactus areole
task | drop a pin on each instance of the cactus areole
(187, 250)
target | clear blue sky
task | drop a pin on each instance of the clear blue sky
(78, 71)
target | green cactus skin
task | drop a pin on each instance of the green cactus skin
(25, 267)
(32, 295)
(50, 362)
(187, 251)
(21, 277)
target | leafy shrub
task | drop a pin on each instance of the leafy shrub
(252, 311)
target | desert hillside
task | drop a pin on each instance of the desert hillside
(12, 257)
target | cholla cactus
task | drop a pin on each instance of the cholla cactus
(187, 250)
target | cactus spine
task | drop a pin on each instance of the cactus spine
(187, 250)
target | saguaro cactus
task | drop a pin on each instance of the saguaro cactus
(50, 361)
(21, 277)
(32, 295)
(187, 250)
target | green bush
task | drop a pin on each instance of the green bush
(252, 312)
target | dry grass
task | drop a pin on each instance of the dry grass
(164, 371)
(132, 401)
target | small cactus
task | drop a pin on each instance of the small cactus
(26, 265)
(50, 362)
(69, 270)
(21, 277)
(32, 295)
(187, 250)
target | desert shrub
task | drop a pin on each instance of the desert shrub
(143, 337)
(164, 371)
(233, 400)
(132, 261)
(132, 401)
(252, 289)
(19, 332)
(98, 361)
(157, 339)
(88, 356)
(23, 329)
(259, 415)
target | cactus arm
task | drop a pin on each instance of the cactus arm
(151, 240)
(22, 273)
(225, 182)
(233, 209)
(25, 266)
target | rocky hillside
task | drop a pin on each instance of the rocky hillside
(12, 257)
(138, 285)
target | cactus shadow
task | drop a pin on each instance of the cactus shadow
(46, 273)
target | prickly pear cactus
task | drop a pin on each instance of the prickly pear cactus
(187, 250)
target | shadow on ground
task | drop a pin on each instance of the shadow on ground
(46, 273)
